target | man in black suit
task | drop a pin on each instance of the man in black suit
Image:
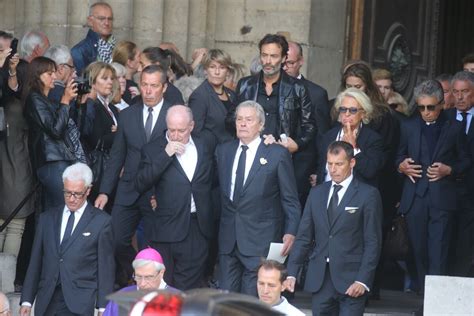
(138, 125)
(72, 264)
(304, 161)
(179, 169)
(259, 202)
(344, 219)
(431, 155)
(462, 245)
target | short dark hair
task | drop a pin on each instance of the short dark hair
(151, 69)
(280, 40)
(336, 147)
(274, 265)
(157, 55)
(444, 77)
(468, 59)
(6, 35)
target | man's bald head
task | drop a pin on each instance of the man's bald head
(295, 60)
(179, 121)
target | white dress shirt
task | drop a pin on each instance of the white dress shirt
(156, 112)
(286, 308)
(470, 113)
(77, 217)
(250, 157)
(188, 161)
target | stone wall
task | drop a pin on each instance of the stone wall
(233, 25)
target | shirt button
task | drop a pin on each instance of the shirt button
(266, 114)
(61, 260)
(330, 236)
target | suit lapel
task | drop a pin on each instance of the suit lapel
(160, 124)
(83, 222)
(229, 156)
(440, 142)
(348, 196)
(58, 218)
(324, 209)
(262, 152)
(139, 119)
(216, 103)
(200, 155)
(416, 141)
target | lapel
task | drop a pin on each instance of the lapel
(216, 103)
(83, 222)
(160, 124)
(229, 156)
(285, 90)
(139, 120)
(440, 142)
(58, 217)
(350, 193)
(415, 140)
(262, 152)
(326, 189)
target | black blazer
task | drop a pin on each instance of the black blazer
(85, 265)
(369, 162)
(321, 108)
(352, 242)
(169, 222)
(296, 111)
(450, 150)
(126, 152)
(211, 117)
(101, 126)
(268, 206)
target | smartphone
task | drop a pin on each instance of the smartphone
(14, 46)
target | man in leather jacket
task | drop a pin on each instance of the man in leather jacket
(285, 100)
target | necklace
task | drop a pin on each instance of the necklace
(222, 93)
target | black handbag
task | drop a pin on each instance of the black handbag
(98, 161)
(397, 242)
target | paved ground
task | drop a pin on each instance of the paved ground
(393, 303)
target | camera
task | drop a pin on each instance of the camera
(83, 86)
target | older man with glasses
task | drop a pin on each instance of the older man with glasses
(99, 42)
(148, 274)
(431, 155)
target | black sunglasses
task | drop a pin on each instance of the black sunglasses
(423, 108)
(352, 111)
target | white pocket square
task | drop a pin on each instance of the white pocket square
(87, 234)
(351, 209)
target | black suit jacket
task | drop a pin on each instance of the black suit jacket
(296, 110)
(369, 162)
(321, 108)
(352, 242)
(126, 152)
(169, 222)
(211, 118)
(85, 264)
(450, 150)
(101, 126)
(268, 206)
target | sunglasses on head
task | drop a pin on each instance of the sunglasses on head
(352, 111)
(423, 108)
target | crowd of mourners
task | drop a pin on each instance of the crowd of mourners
(207, 166)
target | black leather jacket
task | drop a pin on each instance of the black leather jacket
(296, 114)
(48, 126)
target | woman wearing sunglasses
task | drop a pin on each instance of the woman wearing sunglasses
(354, 110)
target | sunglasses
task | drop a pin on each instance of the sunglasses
(352, 111)
(423, 108)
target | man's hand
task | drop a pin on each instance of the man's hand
(313, 179)
(101, 201)
(288, 240)
(70, 92)
(289, 144)
(175, 148)
(25, 311)
(408, 168)
(100, 313)
(14, 63)
(350, 135)
(355, 290)
(290, 283)
(153, 202)
(134, 91)
(437, 171)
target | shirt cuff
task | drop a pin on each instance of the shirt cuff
(101, 310)
(356, 151)
(365, 286)
(27, 304)
(290, 277)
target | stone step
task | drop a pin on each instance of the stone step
(7, 272)
(14, 299)
(446, 295)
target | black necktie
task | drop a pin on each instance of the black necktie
(149, 124)
(240, 173)
(332, 208)
(69, 226)
(464, 121)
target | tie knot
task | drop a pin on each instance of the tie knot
(150, 109)
(464, 115)
(244, 148)
(337, 187)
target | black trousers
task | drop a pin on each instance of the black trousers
(57, 305)
(185, 260)
(329, 302)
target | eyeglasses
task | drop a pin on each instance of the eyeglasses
(76, 195)
(104, 18)
(352, 111)
(69, 66)
(461, 92)
(423, 108)
(145, 278)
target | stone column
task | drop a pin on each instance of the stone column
(32, 19)
(175, 26)
(197, 26)
(147, 22)
(123, 18)
(78, 12)
(54, 20)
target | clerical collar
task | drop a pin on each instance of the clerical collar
(430, 123)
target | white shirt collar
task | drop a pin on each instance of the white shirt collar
(345, 183)
(79, 212)
(253, 145)
(156, 106)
